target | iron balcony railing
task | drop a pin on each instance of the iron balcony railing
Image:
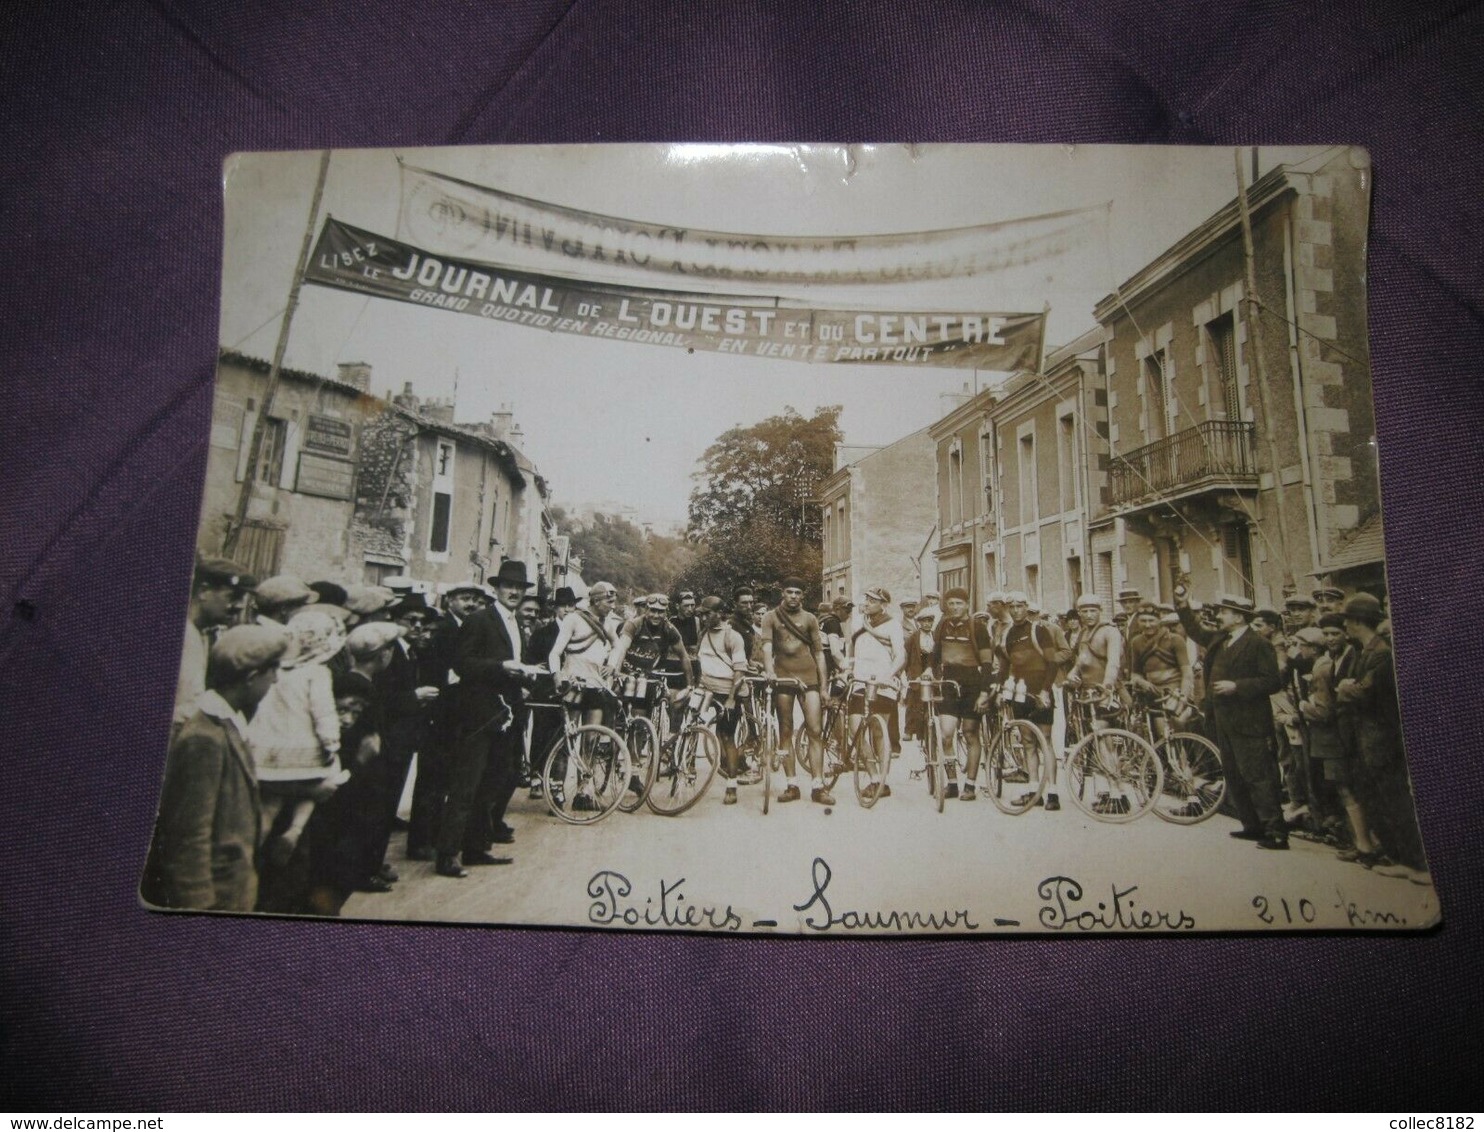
(1216, 453)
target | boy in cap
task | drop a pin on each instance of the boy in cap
(278, 598)
(203, 854)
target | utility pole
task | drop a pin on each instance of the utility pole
(255, 449)
(1254, 324)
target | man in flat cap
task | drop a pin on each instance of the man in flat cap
(1241, 675)
(204, 851)
(278, 598)
(218, 593)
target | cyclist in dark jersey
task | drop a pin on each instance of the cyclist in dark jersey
(653, 644)
(962, 652)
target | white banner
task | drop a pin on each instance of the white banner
(460, 218)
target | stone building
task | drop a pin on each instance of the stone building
(353, 488)
(1246, 474)
(1016, 466)
(1047, 459)
(876, 512)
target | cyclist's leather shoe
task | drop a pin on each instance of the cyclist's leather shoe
(790, 794)
(1273, 843)
(583, 804)
(636, 785)
(1017, 775)
(968, 795)
(448, 866)
(822, 795)
(1027, 799)
(885, 791)
(1246, 834)
(951, 790)
(730, 797)
(1052, 803)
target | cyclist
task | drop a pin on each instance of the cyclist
(1031, 663)
(962, 652)
(1158, 661)
(722, 659)
(880, 656)
(793, 649)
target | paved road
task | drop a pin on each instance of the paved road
(898, 867)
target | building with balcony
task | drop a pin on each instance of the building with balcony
(876, 514)
(1243, 473)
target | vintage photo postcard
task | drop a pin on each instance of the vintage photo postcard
(815, 540)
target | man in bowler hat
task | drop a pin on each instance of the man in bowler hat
(484, 717)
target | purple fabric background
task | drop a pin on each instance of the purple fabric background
(116, 119)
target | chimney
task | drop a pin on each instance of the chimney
(437, 410)
(517, 436)
(406, 399)
(357, 374)
(502, 421)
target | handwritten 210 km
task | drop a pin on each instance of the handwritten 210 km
(616, 904)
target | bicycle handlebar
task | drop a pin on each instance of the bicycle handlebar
(958, 688)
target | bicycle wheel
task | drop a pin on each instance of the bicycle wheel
(1114, 776)
(1009, 780)
(586, 774)
(749, 744)
(644, 746)
(685, 772)
(768, 757)
(1194, 781)
(832, 755)
(871, 751)
(937, 779)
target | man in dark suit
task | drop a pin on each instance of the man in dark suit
(484, 759)
(435, 664)
(1241, 673)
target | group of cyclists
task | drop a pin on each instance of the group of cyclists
(938, 674)
(598, 710)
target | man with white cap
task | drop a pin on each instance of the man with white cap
(218, 592)
(1241, 675)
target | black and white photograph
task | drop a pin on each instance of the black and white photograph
(817, 540)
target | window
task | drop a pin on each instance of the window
(1074, 579)
(956, 482)
(270, 456)
(442, 509)
(842, 532)
(1222, 366)
(1156, 397)
(986, 469)
(1033, 583)
(829, 536)
(1066, 461)
(445, 458)
(1236, 546)
(1029, 512)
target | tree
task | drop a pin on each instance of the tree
(614, 550)
(754, 512)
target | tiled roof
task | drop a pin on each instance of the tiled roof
(1364, 546)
